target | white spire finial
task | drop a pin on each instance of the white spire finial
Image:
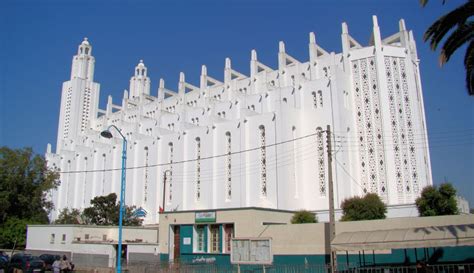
(162, 83)
(227, 63)
(312, 38)
(181, 77)
(203, 70)
(401, 24)
(254, 55)
(281, 46)
(345, 29)
(375, 21)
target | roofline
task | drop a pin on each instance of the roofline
(230, 209)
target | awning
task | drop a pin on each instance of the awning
(435, 236)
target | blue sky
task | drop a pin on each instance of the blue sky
(39, 38)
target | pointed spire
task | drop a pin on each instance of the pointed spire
(227, 63)
(376, 33)
(281, 47)
(181, 85)
(125, 94)
(401, 25)
(254, 55)
(312, 38)
(203, 70)
(345, 29)
(48, 148)
(162, 83)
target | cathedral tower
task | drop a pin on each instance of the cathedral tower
(79, 97)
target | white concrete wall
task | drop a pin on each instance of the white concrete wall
(282, 101)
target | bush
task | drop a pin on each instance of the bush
(369, 207)
(303, 217)
(437, 201)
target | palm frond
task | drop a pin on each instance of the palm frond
(463, 34)
(469, 65)
(443, 25)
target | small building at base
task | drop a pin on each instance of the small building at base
(206, 237)
(93, 246)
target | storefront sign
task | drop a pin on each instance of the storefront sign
(187, 241)
(205, 217)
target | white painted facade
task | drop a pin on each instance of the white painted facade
(90, 240)
(254, 140)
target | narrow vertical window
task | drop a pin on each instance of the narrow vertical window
(263, 163)
(295, 163)
(320, 95)
(85, 184)
(51, 239)
(169, 175)
(103, 174)
(228, 166)
(198, 169)
(145, 190)
(315, 100)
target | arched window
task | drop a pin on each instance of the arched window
(228, 167)
(295, 163)
(263, 162)
(198, 169)
(103, 173)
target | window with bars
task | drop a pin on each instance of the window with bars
(200, 238)
(228, 235)
(214, 240)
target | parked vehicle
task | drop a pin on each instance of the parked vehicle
(27, 263)
(48, 260)
(3, 261)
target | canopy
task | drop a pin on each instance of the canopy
(434, 236)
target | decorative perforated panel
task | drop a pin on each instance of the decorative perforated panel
(145, 185)
(263, 163)
(321, 164)
(228, 166)
(369, 127)
(198, 169)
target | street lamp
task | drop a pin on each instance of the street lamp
(108, 134)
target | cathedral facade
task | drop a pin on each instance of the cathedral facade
(257, 140)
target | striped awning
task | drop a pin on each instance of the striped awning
(434, 236)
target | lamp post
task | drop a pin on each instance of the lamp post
(108, 134)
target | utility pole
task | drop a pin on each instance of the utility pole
(332, 220)
(164, 189)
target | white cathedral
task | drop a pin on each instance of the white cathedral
(255, 140)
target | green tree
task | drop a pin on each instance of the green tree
(458, 28)
(303, 217)
(437, 200)
(72, 217)
(104, 211)
(369, 207)
(25, 182)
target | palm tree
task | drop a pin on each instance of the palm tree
(463, 32)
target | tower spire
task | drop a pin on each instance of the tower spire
(140, 82)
